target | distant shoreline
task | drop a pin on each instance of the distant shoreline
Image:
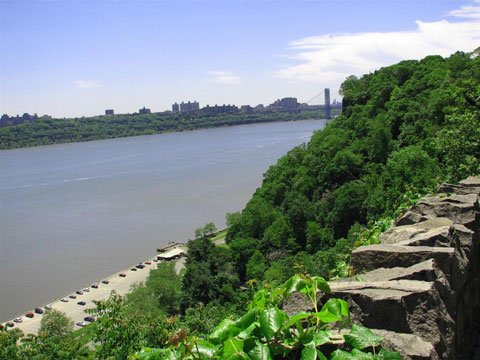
(62, 131)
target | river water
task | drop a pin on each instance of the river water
(71, 214)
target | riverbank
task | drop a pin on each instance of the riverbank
(60, 131)
(120, 284)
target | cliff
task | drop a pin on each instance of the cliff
(420, 287)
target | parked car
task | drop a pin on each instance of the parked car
(2, 326)
(18, 320)
(64, 299)
(39, 310)
(95, 286)
(86, 290)
(10, 324)
(48, 307)
(30, 314)
(89, 318)
(133, 269)
(72, 296)
(82, 323)
(122, 275)
(140, 266)
(106, 282)
(148, 262)
(79, 292)
(81, 303)
(155, 260)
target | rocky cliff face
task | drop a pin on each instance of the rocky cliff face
(420, 288)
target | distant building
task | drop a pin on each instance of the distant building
(144, 111)
(328, 113)
(285, 104)
(175, 108)
(219, 109)
(246, 109)
(109, 112)
(7, 120)
(189, 106)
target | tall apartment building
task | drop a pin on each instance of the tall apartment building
(189, 106)
(175, 107)
(109, 112)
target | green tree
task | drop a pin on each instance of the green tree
(55, 324)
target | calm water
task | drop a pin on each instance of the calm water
(71, 214)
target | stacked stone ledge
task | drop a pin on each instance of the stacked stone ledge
(420, 287)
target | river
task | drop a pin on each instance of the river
(71, 214)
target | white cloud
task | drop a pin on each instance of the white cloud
(86, 84)
(329, 59)
(223, 77)
(467, 12)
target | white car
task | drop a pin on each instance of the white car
(64, 299)
(82, 323)
(48, 307)
(18, 320)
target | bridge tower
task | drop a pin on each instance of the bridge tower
(328, 114)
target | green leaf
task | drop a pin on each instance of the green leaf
(322, 284)
(389, 355)
(232, 346)
(246, 320)
(297, 317)
(248, 331)
(271, 321)
(309, 352)
(354, 355)
(321, 337)
(361, 337)
(205, 348)
(226, 329)
(260, 352)
(334, 310)
(295, 283)
(158, 354)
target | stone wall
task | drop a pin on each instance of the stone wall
(420, 288)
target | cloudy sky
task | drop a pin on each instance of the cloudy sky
(74, 58)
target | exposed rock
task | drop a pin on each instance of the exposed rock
(397, 234)
(410, 218)
(367, 258)
(420, 288)
(424, 271)
(409, 346)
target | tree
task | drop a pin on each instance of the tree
(55, 324)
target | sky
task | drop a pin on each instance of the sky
(70, 58)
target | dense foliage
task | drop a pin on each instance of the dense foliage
(404, 128)
(54, 131)
(267, 332)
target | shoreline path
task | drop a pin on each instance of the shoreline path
(116, 283)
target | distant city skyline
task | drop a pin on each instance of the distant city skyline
(78, 58)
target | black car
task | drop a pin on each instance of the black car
(79, 292)
(106, 282)
(95, 286)
(81, 303)
(89, 319)
(10, 324)
(39, 310)
(140, 266)
(133, 269)
(122, 275)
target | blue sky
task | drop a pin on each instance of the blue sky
(74, 58)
